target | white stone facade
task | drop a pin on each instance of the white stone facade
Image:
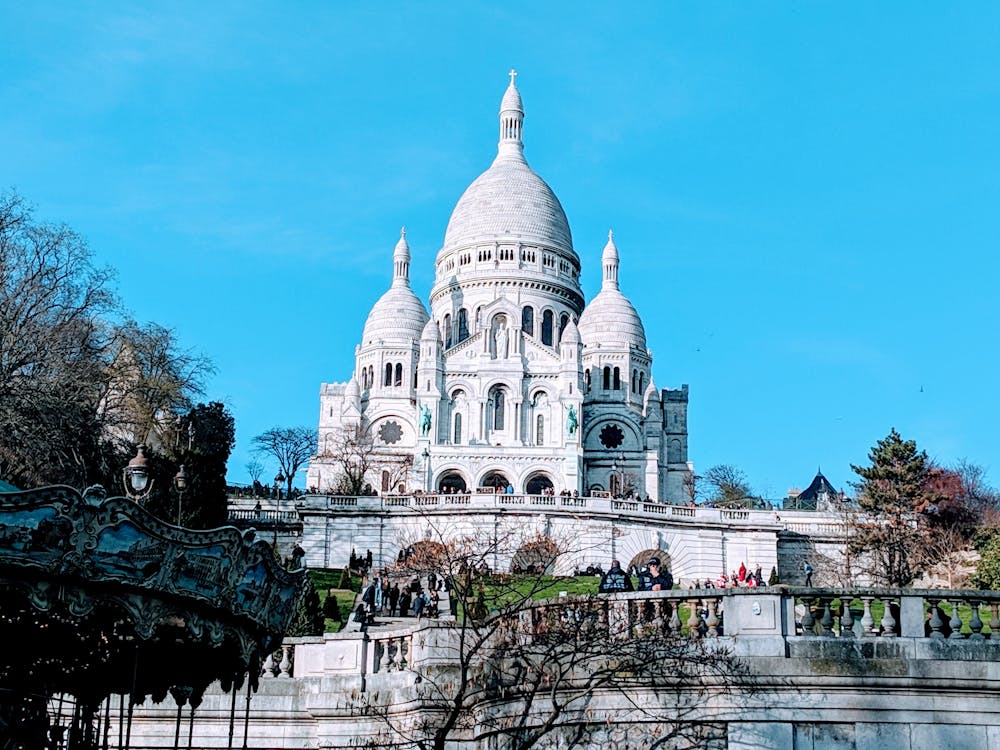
(511, 380)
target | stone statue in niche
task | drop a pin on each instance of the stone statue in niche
(501, 339)
(425, 420)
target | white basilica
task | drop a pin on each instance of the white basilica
(512, 381)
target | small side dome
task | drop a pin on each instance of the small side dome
(570, 335)
(431, 332)
(353, 390)
(398, 314)
(651, 396)
(610, 319)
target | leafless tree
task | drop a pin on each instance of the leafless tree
(52, 334)
(726, 484)
(149, 379)
(291, 447)
(353, 449)
(525, 672)
(254, 469)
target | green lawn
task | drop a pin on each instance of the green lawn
(326, 581)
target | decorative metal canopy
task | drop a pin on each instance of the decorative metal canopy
(99, 597)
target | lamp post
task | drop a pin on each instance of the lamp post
(278, 479)
(180, 484)
(614, 477)
(135, 476)
(427, 469)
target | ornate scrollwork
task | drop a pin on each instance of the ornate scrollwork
(103, 587)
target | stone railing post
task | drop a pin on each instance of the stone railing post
(268, 666)
(911, 616)
(889, 624)
(867, 619)
(846, 617)
(935, 623)
(285, 667)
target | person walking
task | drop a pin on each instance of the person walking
(807, 568)
(404, 603)
(393, 599)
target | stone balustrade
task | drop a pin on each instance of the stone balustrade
(759, 621)
(913, 613)
(859, 669)
(803, 522)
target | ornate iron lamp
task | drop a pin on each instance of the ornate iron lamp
(135, 476)
(278, 479)
(180, 484)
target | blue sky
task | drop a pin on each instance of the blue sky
(804, 195)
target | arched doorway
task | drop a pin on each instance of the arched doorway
(641, 559)
(495, 480)
(452, 481)
(423, 555)
(538, 484)
(537, 556)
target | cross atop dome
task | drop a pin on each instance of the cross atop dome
(513, 75)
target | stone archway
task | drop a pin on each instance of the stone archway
(538, 483)
(496, 480)
(537, 556)
(423, 555)
(452, 482)
(641, 559)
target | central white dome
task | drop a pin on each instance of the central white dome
(509, 202)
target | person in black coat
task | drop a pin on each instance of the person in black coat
(393, 599)
(404, 603)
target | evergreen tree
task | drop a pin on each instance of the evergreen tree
(308, 618)
(331, 608)
(888, 532)
(204, 451)
(345, 580)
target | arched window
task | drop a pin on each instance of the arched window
(586, 380)
(607, 378)
(447, 331)
(463, 325)
(635, 379)
(563, 322)
(457, 440)
(547, 328)
(528, 321)
(371, 376)
(540, 430)
(618, 379)
(364, 378)
(642, 387)
(385, 480)
(399, 374)
(388, 374)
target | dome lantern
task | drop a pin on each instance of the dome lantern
(511, 122)
(609, 261)
(401, 261)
